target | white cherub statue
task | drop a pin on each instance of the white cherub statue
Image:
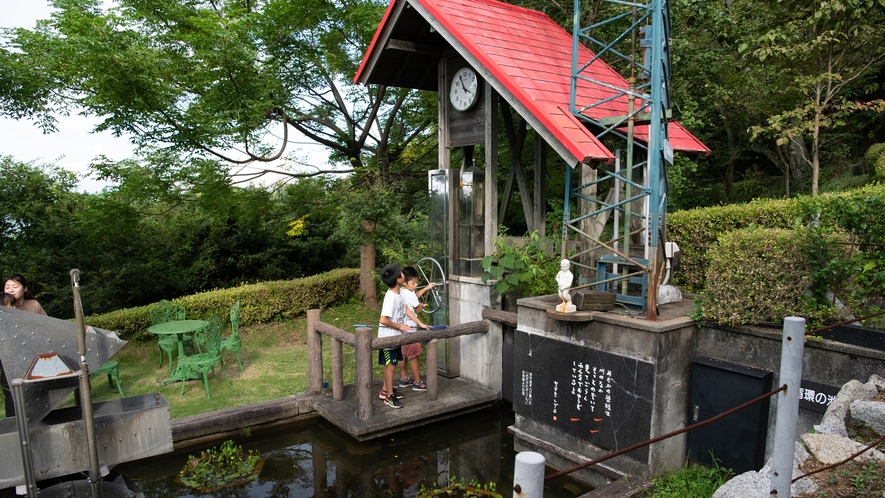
(564, 282)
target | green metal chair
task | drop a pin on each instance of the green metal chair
(166, 311)
(233, 342)
(112, 369)
(210, 339)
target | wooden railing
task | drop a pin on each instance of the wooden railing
(364, 345)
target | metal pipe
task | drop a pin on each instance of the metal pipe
(86, 390)
(792, 347)
(629, 174)
(16, 387)
(617, 187)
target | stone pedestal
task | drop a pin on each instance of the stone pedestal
(585, 388)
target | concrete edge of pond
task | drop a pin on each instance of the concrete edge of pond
(197, 430)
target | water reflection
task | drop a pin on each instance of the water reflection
(319, 460)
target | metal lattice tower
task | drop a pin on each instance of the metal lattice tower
(638, 48)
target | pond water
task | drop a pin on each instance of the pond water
(317, 459)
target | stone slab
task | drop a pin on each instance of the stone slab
(576, 316)
(600, 397)
(455, 397)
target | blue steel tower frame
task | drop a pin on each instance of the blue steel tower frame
(649, 103)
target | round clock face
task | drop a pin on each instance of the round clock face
(464, 91)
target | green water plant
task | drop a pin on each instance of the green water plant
(217, 468)
(459, 488)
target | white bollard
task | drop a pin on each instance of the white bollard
(528, 475)
(792, 347)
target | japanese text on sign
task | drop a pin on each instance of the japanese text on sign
(591, 385)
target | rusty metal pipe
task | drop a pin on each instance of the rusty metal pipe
(86, 389)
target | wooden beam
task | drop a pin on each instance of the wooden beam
(505, 317)
(414, 48)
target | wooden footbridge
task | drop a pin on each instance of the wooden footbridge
(356, 408)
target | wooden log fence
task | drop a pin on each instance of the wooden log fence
(364, 345)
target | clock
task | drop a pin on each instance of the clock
(464, 92)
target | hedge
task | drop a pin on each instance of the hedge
(757, 276)
(259, 303)
(858, 212)
(696, 231)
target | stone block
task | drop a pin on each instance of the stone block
(592, 300)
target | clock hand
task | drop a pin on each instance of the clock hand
(463, 85)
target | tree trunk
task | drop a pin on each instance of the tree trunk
(367, 283)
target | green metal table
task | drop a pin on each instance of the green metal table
(178, 328)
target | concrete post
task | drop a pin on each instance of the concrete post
(314, 352)
(792, 346)
(337, 371)
(363, 372)
(430, 373)
(528, 475)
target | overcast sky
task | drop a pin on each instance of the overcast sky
(74, 145)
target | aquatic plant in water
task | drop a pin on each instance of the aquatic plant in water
(217, 468)
(458, 488)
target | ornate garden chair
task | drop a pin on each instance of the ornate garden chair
(166, 311)
(210, 340)
(233, 342)
(112, 368)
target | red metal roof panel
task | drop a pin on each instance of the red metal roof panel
(529, 56)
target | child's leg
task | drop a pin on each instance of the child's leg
(388, 378)
(416, 370)
(402, 371)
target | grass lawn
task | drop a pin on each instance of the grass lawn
(274, 356)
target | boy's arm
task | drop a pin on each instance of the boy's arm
(411, 314)
(387, 322)
(425, 289)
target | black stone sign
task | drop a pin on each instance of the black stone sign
(600, 397)
(815, 396)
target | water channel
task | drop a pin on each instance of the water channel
(314, 459)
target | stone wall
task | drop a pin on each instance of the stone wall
(669, 344)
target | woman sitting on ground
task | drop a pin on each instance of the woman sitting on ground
(17, 285)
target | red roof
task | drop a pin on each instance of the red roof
(527, 55)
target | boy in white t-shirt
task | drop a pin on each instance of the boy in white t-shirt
(413, 306)
(392, 323)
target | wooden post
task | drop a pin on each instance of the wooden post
(337, 371)
(430, 375)
(314, 352)
(364, 372)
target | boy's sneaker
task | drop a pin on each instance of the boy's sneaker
(396, 394)
(406, 382)
(419, 386)
(393, 402)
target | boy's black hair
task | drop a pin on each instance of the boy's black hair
(8, 299)
(390, 274)
(410, 272)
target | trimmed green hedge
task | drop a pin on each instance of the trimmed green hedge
(756, 276)
(857, 212)
(260, 303)
(696, 231)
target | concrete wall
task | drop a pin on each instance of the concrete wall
(479, 355)
(824, 362)
(671, 344)
(665, 343)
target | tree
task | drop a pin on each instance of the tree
(831, 52)
(225, 79)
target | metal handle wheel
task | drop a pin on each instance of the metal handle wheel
(430, 271)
